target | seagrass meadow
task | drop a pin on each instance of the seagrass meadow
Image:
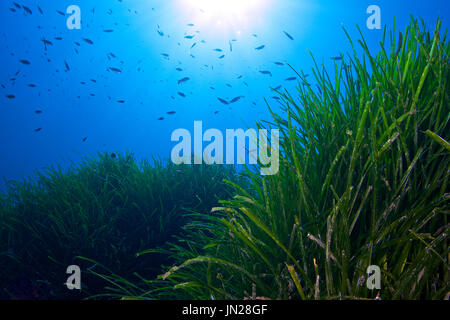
(363, 180)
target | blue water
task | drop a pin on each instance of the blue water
(148, 81)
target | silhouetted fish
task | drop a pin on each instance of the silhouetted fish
(171, 112)
(236, 99)
(24, 61)
(84, 139)
(88, 41)
(37, 129)
(222, 100)
(183, 80)
(10, 96)
(182, 94)
(61, 13)
(291, 78)
(27, 10)
(288, 35)
(189, 37)
(260, 47)
(266, 72)
(116, 70)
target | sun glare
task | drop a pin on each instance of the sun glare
(225, 15)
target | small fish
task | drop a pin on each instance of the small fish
(113, 155)
(288, 35)
(279, 63)
(10, 96)
(24, 62)
(236, 99)
(276, 98)
(32, 85)
(260, 47)
(88, 41)
(108, 30)
(216, 112)
(291, 79)
(189, 37)
(179, 69)
(193, 45)
(231, 47)
(218, 50)
(181, 94)
(37, 129)
(16, 5)
(67, 65)
(255, 35)
(336, 58)
(277, 88)
(222, 56)
(183, 80)
(121, 101)
(27, 10)
(84, 139)
(40, 10)
(171, 112)
(58, 38)
(38, 111)
(46, 42)
(222, 100)
(161, 118)
(160, 33)
(266, 72)
(190, 24)
(61, 13)
(116, 70)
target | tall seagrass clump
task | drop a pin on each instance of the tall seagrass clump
(363, 181)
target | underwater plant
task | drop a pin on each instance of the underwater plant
(105, 209)
(363, 181)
